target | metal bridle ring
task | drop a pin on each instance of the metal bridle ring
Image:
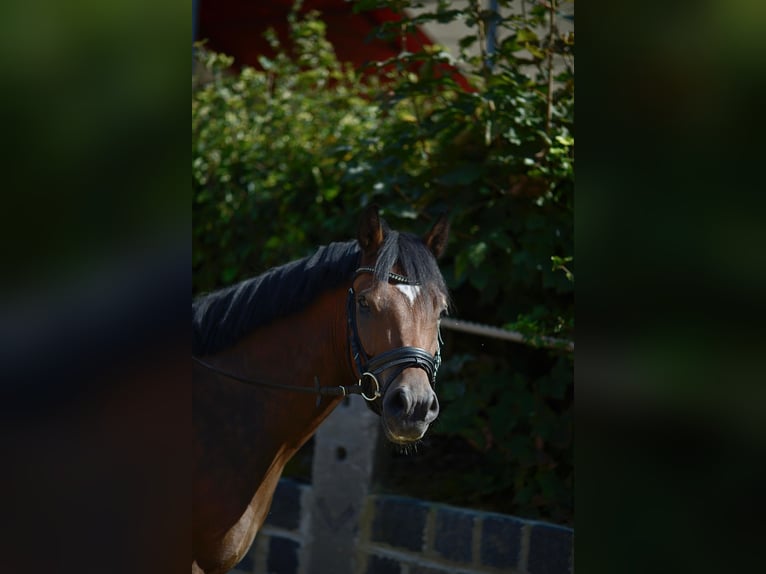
(377, 387)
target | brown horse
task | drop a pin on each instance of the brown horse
(274, 355)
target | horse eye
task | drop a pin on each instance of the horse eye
(362, 300)
(443, 314)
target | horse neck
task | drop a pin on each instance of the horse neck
(244, 434)
(293, 351)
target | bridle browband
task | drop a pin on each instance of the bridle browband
(369, 368)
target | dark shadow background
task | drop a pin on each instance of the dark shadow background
(669, 242)
(94, 407)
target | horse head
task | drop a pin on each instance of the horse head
(395, 303)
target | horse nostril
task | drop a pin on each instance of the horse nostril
(434, 407)
(399, 402)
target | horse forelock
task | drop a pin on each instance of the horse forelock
(408, 253)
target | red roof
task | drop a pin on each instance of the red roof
(236, 27)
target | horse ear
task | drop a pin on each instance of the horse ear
(436, 239)
(370, 233)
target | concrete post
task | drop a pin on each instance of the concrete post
(344, 454)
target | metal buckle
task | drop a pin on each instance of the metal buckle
(377, 387)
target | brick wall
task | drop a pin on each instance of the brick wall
(408, 536)
(399, 535)
(278, 547)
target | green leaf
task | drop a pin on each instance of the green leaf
(526, 35)
(467, 41)
(462, 175)
(461, 264)
(331, 193)
(479, 278)
(476, 253)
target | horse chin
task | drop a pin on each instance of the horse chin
(404, 435)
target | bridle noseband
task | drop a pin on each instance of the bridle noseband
(369, 368)
(399, 359)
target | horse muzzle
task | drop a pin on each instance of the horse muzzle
(409, 406)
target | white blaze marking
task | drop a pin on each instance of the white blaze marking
(410, 291)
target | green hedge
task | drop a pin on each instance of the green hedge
(284, 157)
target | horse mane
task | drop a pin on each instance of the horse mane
(220, 319)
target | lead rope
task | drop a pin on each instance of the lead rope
(338, 391)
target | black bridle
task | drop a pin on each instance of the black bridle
(368, 368)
